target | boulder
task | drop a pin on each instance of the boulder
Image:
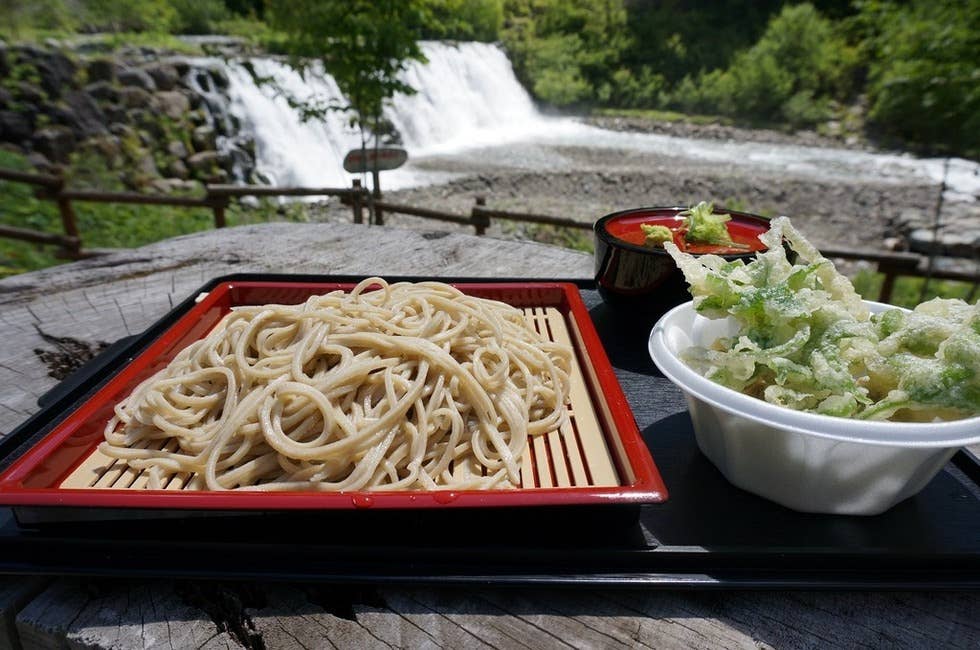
(123, 131)
(28, 92)
(175, 186)
(103, 91)
(203, 161)
(55, 142)
(177, 149)
(101, 70)
(182, 67)
(136, 78)
(171, 103)
(88, 119)
(203, 138)
(194, 99)
(147, 121)
(15, 126)
(114, 113)
(57, 73)
(107, 146)
(220, 78)
(40, 163)
(146, 166)
(178, 169)
(134, 97)
(164, 76)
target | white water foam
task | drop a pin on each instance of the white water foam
(468, 98)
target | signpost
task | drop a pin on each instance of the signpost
(374, 160)
(359, 161)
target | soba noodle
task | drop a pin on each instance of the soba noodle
(409, 386)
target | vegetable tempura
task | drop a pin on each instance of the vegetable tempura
(807, 341)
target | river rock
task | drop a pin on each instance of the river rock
(107, 146)
(147, 121)
(55, 142)
(136, 78)
(29, 93)
(174, 186)
(114, 113)
(86, 118)
(103, 91)
(203, 161)
(171, 103)
(57, 73)
(177, 149)
(146, 166)
(177, 169)
(101, 70)
(134, 97)
(164, 76)
(203, 138)
(123, 131)
(40, 163)
(15, 126)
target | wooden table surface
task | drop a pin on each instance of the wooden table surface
(54, 319)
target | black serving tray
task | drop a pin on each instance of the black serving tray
(708, 534)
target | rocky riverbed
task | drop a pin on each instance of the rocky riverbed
(589, 182)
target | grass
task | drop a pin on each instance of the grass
(662, 116)
(108, 225)
(907, 290)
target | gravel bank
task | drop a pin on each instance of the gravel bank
(590, 182)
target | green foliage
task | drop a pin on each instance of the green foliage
(566, 51)
(791, 74)
(21, 18)
(127, 15)
(924, 71)
(464, 20)
(198, 16)
(907, 290)
(107, 225)
(363, 44)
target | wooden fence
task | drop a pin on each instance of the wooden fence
(359, 199)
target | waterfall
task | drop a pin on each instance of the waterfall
(467, 95)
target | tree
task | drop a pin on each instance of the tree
(364, 45)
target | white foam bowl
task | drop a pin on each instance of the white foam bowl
(805, 461)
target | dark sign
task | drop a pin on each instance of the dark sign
(358, 161)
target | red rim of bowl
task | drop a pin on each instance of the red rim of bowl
(601, 231)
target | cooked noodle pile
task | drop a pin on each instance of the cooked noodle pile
(410, 386)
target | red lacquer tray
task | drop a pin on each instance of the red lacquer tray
(598, 458)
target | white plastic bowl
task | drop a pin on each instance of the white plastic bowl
(805, 461)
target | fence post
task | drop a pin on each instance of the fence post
(219, 201)
(379, 219)
(888, 284)
(68, 221)
(356, 205)
(480, 221)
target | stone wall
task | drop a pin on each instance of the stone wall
(141, 114)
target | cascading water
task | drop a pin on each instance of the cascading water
(468, 97)
(467, 94)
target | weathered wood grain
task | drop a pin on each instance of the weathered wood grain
(97, 301)
(15, 593)
(160, 614)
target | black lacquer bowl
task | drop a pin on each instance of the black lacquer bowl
(632, 275)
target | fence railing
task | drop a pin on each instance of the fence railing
(218, 197)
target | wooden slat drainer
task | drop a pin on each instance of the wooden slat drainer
(574, 456)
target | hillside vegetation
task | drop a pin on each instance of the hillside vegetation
(906, 73)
